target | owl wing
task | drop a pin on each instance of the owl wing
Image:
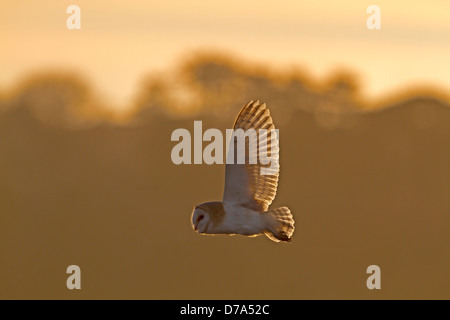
(245, 184)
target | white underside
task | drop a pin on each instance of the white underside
(239, 220)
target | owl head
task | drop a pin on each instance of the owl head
(200, 219)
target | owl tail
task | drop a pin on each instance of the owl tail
(281, 224)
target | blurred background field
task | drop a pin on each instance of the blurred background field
(88, 182)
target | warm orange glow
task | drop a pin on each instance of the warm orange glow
(121, 42)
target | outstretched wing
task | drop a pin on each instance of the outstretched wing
(253, 185)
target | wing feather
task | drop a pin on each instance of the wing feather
(244, 183)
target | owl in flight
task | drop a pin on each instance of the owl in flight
(249, 191)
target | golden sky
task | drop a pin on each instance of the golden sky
(122, 41)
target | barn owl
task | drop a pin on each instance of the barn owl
(248, 192)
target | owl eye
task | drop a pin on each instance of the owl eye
(200, 218)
